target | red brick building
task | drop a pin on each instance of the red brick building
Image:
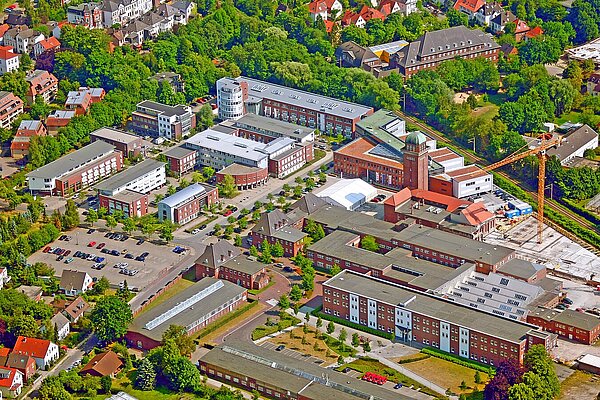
(573, 325)
(276, 227)
(222, 260)
(423, 320)
(58, 119)
(19, 146)
(132, 204)
(128, 144)
(245, 177)
(186, 205)
(291, 160)
(21, 362)
(181, 159)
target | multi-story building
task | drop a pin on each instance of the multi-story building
(433, 48)
(173, 79)
(9, 61)
(236, 97)
(58, 119)
(160, 120)
(129, 145)
(186, 205)
(421, 319)
(123, 11)
(142, 178)
(222, 260)
(361, 17)
(19, 146)
(11, 382)
(181, 159)
(405, 7)
(77, 170)
(10, 108)
(43, 351)
(244, 176)
(194, 308)
(78, 101)
(264, 130)
(49, 44)
(22, 39)
(569, 324)
(325, 9)
(276, 227)
(574, 144)
(86, 14)
(41, 83)
(132, 204)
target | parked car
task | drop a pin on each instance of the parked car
(90, 257)
(227, 213)
(105, 251)
(91, 244)
(196, 231)
(280, 347)
(66, 253)
(59, 258)
(69, 260)
(568, 301)
(145, 254)
(114, 252)
(101, 245)
(140, 242)
(90, 231)
(46, 249)
(124, 238)
(140, 258)
(106, 235)
(62, 237)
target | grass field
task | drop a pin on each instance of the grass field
(580, 385)
(177, 287)
(447, 374)
(574, 117)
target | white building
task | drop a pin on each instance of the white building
(11, 382)
(9, 61)
(348, 193)
(22, 40)
(43, 351)
(3, 277)
(143, 178)
(123, 11)
(74, 283)
(230, 98)
(62, 325)
(574, 144)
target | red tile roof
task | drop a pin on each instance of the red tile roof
(449, 202)
(398, 198)
(7, 382)
(522, 26)
(367, 13)
(4, 351)
(471, 5)
(317, 6)
(31, 346)
(476, 214)
(537, 31)
(329, 25)
(50, 43)
(3, 29)
(6, 53)
(386, 6)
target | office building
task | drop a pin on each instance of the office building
(142, 178)
(186, 205)
(160, 120)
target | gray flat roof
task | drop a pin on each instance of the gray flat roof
(29, 124)
(163, 108)
(244, 264)
(300, 98)
(520, 268)
(115, 135)
(432, 306)
(569, 317)
(203, 307)
(236, 146)
(126, 196)
(74, 160)
(259, 123)
(235, 169)
(279, 370)
(124, 177)
(184, 194)
(178, 152)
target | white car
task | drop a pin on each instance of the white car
(195, 231)
(91, 257)
(123, 265)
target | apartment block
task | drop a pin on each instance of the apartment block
(160, 120)
(10, 108)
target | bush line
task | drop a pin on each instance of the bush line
(317, 313)
(465, 362)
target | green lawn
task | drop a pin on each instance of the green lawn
(177, 287)
(265, 330)
(447, 374)
(575, 117)
(256, 292)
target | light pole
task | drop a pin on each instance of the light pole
(551, 186)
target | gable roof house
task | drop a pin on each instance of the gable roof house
(326, 9)
(469, 7)
(62, 325)
(74, 282)
(486, 13)
(42, 46)
(277, 227)
(593, 85)
(498, 23)
(22, 39)
(11, 382)
(9, 61)
(521, 29)
(215, 255)
(76, 309)
(185, 6)
(43, 351)
(360, 18)
(352, 55)
(25, 364)
(404, 7)
(41, 83)
(103, 364)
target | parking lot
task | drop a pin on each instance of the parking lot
(158, 261)
(293, 353)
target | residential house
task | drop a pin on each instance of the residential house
(103, 364)
(9, 61)
(161, 120)
(172, 15)
(11, 382)
(41, 83)
(50, 44)
(325, 9)
(19, 146)
(469, 7)
(593, 85)
(55, 28)
(172, 78)
(487, 12)
(32, 292)
(533, 33)
(123, 11)
(21, 362)
(135, 33)
(58, 119)
(498, 23)
(44, 352)
(405, 7)
(276, 227)
(360, 18)
(74, 283)
(22, 39)
(10, 108)
(88, 15)
(17, 18)
(574, 144)
(76, 309)
(521, 29)
(78, 101)
(61, 324)
(185, 6)
(352, 55)
(3, 29)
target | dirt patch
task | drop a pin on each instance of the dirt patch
(580, 385)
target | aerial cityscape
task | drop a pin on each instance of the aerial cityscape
(320, 200)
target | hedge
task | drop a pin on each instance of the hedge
(213, 327)
(465, 362)
(417, 357)
(585, 213)
(317, 313)
(562, 221)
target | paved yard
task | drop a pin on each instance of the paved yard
(569, 351)
(293, 353)
(160, 259)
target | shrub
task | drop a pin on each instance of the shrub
(458, 360)
(317, 313)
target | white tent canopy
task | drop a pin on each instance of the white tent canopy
(348, 193)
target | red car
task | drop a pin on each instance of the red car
(47, 249)
(66, 253)
(91, 244)
(228, 213)
(101, 245)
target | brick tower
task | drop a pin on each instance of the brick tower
(416, 173)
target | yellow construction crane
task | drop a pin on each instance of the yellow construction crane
(540, 151)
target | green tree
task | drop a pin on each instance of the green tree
(369, 243)
(319, 323)
(184, 342)
(53, 389)
(111, 222)
(335, 269)
(284, 302)
(355, 339)
(106, 384)
(71, 216)
(477, 377)
(171, 190)
(92, 217)
(146, 375)
(330, 327)
(205, 117)
(110, 318)
(237, 240)
(128, 225)
(296, 293)
(101, 286)
(343, 335)
(253, 251)
(277, 250)
(227, 187)
(265, 255)
(166, 231)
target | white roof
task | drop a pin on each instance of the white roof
(348, 192)
(590, 359)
